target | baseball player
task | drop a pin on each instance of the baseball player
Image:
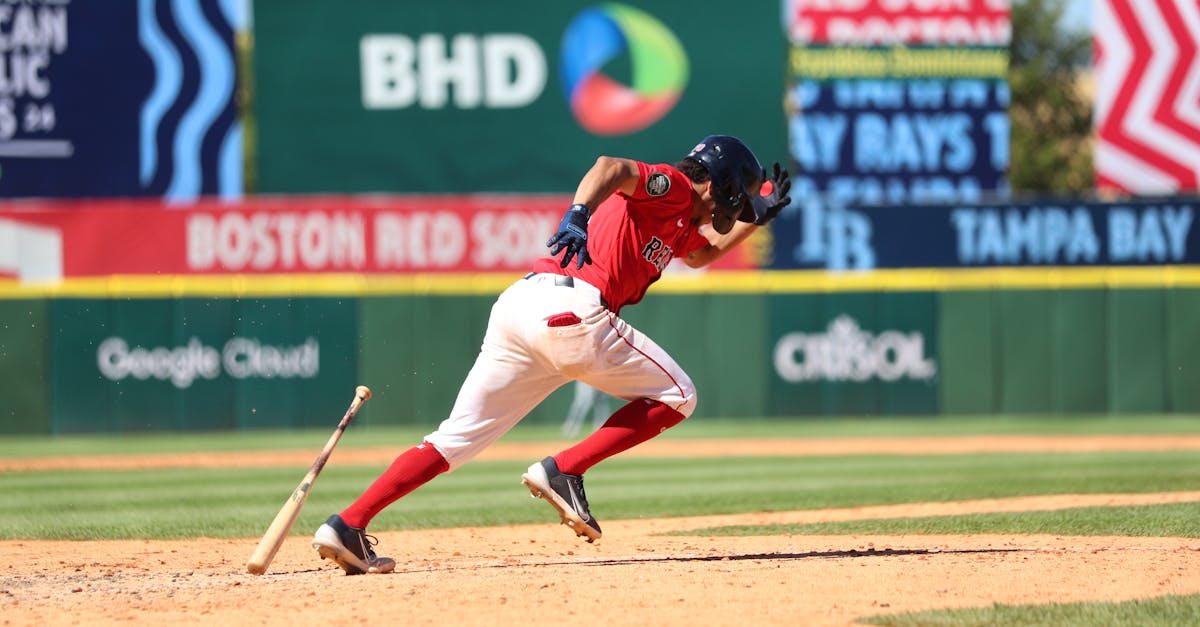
(561, 323)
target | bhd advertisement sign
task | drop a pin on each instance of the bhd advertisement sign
(504, 97)
(118, 99)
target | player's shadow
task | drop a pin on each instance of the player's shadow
(731, 557)
(807, 555)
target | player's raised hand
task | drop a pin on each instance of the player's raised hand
(572, 236)
(773, 196)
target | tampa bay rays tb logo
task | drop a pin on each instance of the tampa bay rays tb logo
(658, 253)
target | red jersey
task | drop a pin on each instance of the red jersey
(631, 239)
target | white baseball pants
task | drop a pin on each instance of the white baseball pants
(523, 359)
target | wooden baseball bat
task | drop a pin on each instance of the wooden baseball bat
(282, 525)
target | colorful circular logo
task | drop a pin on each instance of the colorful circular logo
(658, 69)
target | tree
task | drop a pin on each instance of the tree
(1051, 141)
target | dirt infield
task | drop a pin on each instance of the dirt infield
(535, 574)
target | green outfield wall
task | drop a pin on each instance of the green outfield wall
(24, 367)
(1070, 351)
(762, 344)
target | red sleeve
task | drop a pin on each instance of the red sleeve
(664, 185)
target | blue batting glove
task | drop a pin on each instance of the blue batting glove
(773, 197)
(572, 236)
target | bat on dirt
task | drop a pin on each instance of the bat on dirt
(282, 525)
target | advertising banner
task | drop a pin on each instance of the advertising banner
(200, 364)
(887, 22)
(106, 99)
(869, 141)
(899, 102)
(521, 96)
(1145, 232)
(854, 354)
(1147, 101)
(50, 241)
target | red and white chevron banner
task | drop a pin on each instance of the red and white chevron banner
(1147, 113)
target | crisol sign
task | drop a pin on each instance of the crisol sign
(845, 352)
(239, 358)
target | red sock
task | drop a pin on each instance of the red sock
(631, 425)
(412, 469)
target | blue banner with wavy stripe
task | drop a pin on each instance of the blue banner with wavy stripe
(121, 98)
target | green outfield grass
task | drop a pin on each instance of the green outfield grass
(1177, 520)
(1168, 611)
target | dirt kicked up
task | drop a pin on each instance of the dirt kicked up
(537, 574)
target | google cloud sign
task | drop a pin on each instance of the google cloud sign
(658, 69)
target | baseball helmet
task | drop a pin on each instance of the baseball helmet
(735, 174)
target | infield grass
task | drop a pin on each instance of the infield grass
(1173, 520)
